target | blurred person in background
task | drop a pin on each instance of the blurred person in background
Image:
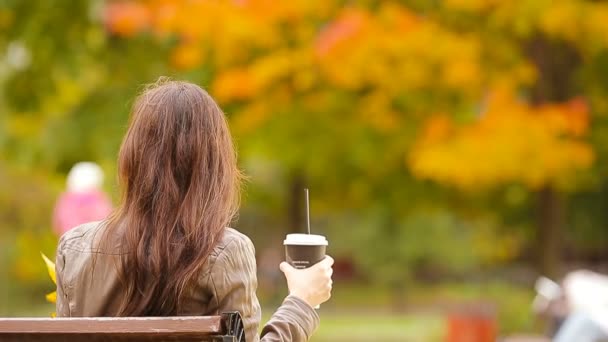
(578, 308)
(586, 295)
(550, 304)
(83, 201)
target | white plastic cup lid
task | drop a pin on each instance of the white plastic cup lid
(305, 239)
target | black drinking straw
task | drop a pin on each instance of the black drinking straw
(307, 211)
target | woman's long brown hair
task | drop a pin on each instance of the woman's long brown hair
(180, 189)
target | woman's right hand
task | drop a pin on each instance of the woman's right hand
(313, 284)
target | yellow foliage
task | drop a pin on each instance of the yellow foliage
(353, 46)
(376, 112)
(262, 42)
(562, 19)
(493, 247)
(236, 84)
(251, 118)
(68, 94)
(186, 56)
(510, 142)
(50, 267)
(271, 53)
(347, 26)
(24, 125)
(247, 83)
(470, 5)
(583, 23)
(390, 50)
(595, 24)
(52, 297)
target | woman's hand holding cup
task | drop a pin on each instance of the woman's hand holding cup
(313, 284)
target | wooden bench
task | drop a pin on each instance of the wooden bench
(225, 328)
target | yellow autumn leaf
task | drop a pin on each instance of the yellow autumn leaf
(50, 266)
(52, 297)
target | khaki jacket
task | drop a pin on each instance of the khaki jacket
(227, 282)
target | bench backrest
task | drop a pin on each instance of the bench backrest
(227, 327)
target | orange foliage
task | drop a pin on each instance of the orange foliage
(354, 48)
(390, 50)
(186, 56)
(510, 142)
(235, 85)
(268, 55)
(583, 23)
(346, 27)
(127, 18)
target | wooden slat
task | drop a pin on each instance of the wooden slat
(109, 338)
(166, 326)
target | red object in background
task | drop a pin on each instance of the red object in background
(344, 269)
(471, 327)
(126, 18)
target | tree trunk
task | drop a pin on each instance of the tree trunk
(556, 63)
(549, 232)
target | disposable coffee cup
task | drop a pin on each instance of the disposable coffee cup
(304, 250)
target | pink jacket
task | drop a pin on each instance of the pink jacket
(75, 208)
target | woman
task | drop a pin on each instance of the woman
(166, 250)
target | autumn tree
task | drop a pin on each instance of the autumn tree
(406, 119)
(534, 132)
(492, 85)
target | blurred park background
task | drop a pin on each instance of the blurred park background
(455, 150)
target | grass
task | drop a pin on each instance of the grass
(511, 304)
(359, 312)
(340, 326)
(366, 313)
(377, 327)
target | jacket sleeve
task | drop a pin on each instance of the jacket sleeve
(294, 320)
(62, 302)
(234, 282)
